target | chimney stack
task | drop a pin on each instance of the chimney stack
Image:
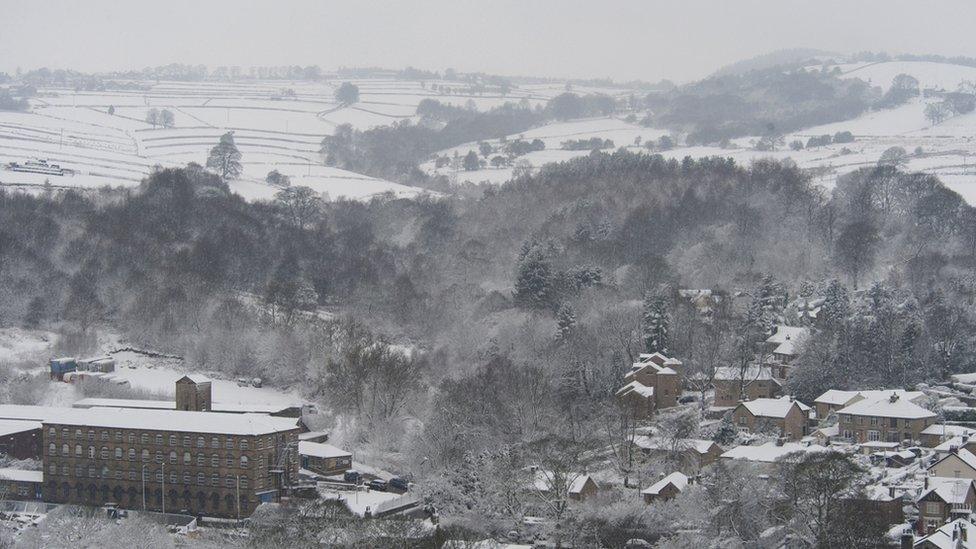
(893, 397)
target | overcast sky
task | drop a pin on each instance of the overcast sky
(620, 39)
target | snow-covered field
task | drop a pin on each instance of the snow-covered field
(273, 131)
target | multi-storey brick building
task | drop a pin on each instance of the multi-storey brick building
(204, 463)
(783, 416)
(733, 385)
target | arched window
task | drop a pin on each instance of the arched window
(215, 479)
(159, 456)
(215, 442)
(91, 452)
(201, 479)
(215, 460)
(118, 453)
(144, 438)
(243, 444)
(104, 452)
(159, 439)
(187, 458)
(65, 450)
(186, 440)
(229, 444)
(172, 440)
(52, 449)
(229, 482)
(52, 432)
(78, 450)
(104, 435)
(243, 462)
(244, 482)
(186, 478)
(145, 455)
(172, 458)
(230, 461)
(201, 442)
(132, 454)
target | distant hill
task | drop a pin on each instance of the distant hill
(773, 59)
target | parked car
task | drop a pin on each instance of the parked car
(377, 484)
(352, 476)
(399, 483)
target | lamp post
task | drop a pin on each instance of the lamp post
(238, 497)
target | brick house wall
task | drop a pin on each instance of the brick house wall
(727, 391)
(793, 426)
(197, 473)
(872, 428)
(23, 445)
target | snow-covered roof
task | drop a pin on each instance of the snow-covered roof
(837, 397)
(901, 408)
(636, 387)
(787, 339)
(195, 378)
(21, 475)
(171, 405)
(773, 407)
(832, 431)
(313, 434)
(659, 359)
(769, 452)
(701, 446)
(951, 536)
(543, 481)
(317, 449)
(13, 426)
(949, 490)
(963, 454)
(940, 429)
(676, 479)
(153, 420)
(753, 372)
(948, 445)
(657, 362)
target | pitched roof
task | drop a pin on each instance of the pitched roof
(676, 479)
(773, 407)
(701, 446)
(13, 426)
(963, 454)
(317, 449)
(657, 362)
(769, 452)
(638, 388)
(839, 398)
(950, 536)
(22, 475)
(787, 339)
(153, 420)
(195, 378)
(941, 429)
(949, 490)
(543, 480)
(884, 407)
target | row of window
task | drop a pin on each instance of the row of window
(174, 477)
(873, 420)
(106, 453)
(133, 497)
(158, 439)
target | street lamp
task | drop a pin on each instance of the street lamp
(162, 489)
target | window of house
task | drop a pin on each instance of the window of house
(145, 455)
(52, 432)
(201, 479)
(201, 460)
(91, 434)
(215, 480)
(230, 461)
(229, 444)
(104, 435)
(229, 482)
(215, 442)
(215, 460)
(159, 440)
(118, 453)
(118, 474)
(172, 478)
(932, 508)
(187, 479)
(172, 458)
(186, 440)
(243, 482)
(187, 458)
(91, 452)
(132, 475)
(172, 440)
(52, 449)
(65, 450)
(873, 435)
(118, 436)
(91, 472)
(103, 453)
(144, 438)
(874, 421)
(201, 442)
(132, 454)
(244, 444)
(79, 471)
(244, 462)
(78, 433)
(64, 433)
(132, 438)
(52, 469)
(159, 456)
